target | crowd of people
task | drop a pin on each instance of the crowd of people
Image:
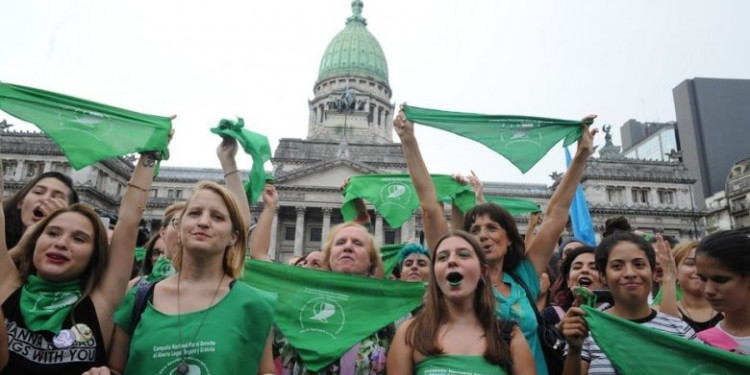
(495, 302)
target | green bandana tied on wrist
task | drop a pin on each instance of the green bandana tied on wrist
(254, 144)
(523, 140)
(45, 305)
(161, 270)
(394, 197)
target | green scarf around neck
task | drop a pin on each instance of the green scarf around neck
(46, 304)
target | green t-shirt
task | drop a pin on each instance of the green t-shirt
(230, 341)
(457, 365)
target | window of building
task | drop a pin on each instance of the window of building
(666, 196)
(170, 193)
(316, 234)
(101, 180)
(615, 194)
(178, 194)
(154, 193)
(390, 236)
(9, 168)
(33, 169)
(289, 233)
(640, 195)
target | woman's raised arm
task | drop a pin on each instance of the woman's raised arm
(433, 218)
(543, 245)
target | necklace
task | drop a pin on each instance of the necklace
(686, 309)
(182, 367)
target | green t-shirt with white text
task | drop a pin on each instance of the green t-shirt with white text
(230, 340)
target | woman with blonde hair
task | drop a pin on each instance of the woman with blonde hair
(694, 308)
(174, 333)
(351, 249)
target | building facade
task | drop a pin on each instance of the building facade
(713, 118)
(350, 133)
(648, 141)
(655, 196)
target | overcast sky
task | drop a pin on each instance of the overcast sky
(205, 61)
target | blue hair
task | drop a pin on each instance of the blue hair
(409, 249)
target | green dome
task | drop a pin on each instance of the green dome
(354, 51)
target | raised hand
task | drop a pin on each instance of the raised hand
(403, 127)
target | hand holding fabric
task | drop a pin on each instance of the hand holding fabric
(586, 146)
(574, 328)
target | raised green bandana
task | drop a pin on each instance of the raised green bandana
(45, 305)
(514, 206)
(254, 144)
(657, 352)
(323, 314)
(161, 270)
(523, 140)
(394, 197)
(389, 255)
(86, 131)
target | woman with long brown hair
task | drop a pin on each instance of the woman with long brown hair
(456, 330)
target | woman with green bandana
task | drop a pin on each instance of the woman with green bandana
(199, 320)
(351, 249)
(58, 303)
(161, 268)
(510, 261)
(456, 331)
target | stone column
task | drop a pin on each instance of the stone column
(379, 235)
(326, 223)
(408, 230)
(299, 230)
(274, 231)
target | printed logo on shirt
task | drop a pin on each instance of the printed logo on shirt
(397, 193)
(35, 348)
(195, 367)
(323, 312)
(447, 371)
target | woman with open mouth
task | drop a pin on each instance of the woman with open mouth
(577, 269)
(723, 263)
(59, 301)
(514, 267)
(626, 263)
(37, 199)
(456, 330)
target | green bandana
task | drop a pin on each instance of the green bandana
(254, 144)
(140, 253)
(657, 352)
(514, 206)
(394, 197)
(161, 270)
(86, 131)
(389, 255)
(522, 140)
(323, 314)
(45, 304)
(658, 296)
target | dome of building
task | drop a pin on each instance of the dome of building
(354, 51)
